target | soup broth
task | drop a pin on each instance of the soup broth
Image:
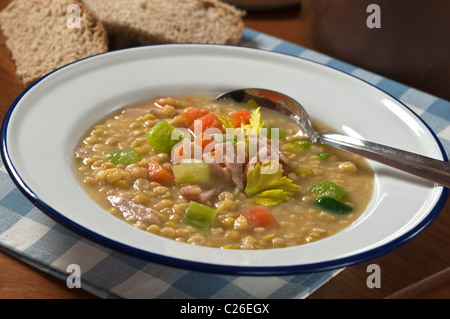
(220, 174)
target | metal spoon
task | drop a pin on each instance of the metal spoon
(425, 167)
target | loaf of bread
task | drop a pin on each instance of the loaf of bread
(41, 38)
(170, 21)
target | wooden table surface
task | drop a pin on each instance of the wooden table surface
(418, 269)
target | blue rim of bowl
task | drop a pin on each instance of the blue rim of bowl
(206, 267)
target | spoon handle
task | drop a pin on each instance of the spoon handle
(425, 167)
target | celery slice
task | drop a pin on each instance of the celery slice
(160, 137)
(200, 216)
(191, 172)
(332, 205)
(226, 121)
(303, 170)
(268, 189)
(327, 188)
(127, 157)
(252, 103)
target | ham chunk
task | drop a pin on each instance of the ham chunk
(237, 174)
(227, 154)
(134, 212)
(195, 193)
(82, 152)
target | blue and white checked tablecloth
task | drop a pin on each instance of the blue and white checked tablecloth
(31, 236)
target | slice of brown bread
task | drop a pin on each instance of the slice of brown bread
(40, 39)
(170, 21)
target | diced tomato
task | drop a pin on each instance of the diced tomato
(159, 174)
(239, 117)
(259, 216)
(194, 114)
(207, 121)
(203, 140)
(177, 153)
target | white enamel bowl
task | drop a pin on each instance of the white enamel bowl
(45, 123)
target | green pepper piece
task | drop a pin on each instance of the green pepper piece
(301, 143)
(191, 172)
(124, 157)
(160, 137)
(323, 155)
(330, 189)
(200, 216)
(332, 205)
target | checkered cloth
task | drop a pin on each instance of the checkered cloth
(31, 236)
